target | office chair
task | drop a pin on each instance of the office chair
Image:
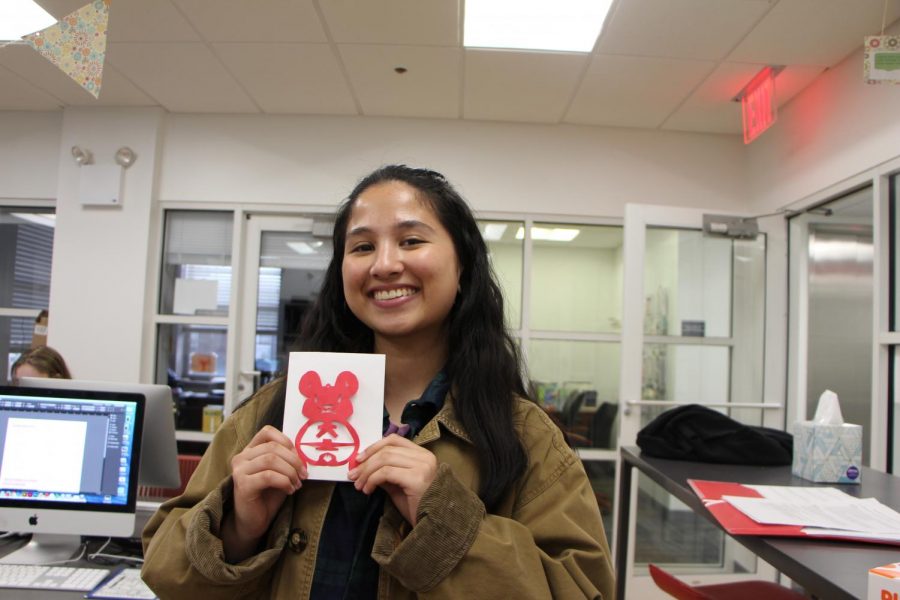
(737, 590)
(187, 464)
(602, 425)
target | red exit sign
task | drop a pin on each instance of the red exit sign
(758, 104)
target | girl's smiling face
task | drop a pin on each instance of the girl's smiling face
(400, 268)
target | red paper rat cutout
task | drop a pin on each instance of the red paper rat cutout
(334, 441)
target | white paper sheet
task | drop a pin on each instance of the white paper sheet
(334, 415)
(820, 507)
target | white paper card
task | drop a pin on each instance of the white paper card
(192, 295)
(333, 408)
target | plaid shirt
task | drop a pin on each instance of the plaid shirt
(345, 569)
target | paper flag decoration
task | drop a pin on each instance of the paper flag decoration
(77, 44)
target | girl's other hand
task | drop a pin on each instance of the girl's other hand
(403, 469)
(264, 474)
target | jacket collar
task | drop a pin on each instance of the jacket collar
(445, 417)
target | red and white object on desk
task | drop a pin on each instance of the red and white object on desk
(884, 582)
(735, 522)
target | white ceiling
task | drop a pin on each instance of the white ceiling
(658, 64)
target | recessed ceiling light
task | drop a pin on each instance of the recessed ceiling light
(493, 232)
(21, 17)
(562, 25)
(45, 219)
(556, 234)
(305, 248)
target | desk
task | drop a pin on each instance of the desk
(827, 569)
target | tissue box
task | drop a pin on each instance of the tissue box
(827, 453)
(884, 582)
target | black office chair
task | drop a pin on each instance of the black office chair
(602, 422)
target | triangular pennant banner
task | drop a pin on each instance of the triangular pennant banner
(77, 44)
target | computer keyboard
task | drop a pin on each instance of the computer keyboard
(44, 577)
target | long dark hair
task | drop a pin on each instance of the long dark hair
(483, 366)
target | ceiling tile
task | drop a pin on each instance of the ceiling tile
(143, 21)
(60, 8)
(115, 90)
(290, 78)
(182, 77)
(18, 94)
(788, 36)
(520, 86)
(242, 21)
(711, 108)
(698, 29)
(629, 91)
(134, 20)
(395, 22)
(428, 88)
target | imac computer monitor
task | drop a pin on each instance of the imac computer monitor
(159, 459)
(68, 467)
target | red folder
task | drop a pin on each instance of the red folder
(737, 523)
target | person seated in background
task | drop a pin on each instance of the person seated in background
(40, 361)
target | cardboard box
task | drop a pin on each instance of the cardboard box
(827, 453)
(39, 337)
(884, 582)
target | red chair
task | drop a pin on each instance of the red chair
(737, 590)
(187, 463)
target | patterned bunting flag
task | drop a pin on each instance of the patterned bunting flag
(77, 44)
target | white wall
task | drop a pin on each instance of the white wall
(836, 128)
(29, 154)
(101, 255)
(498, 167)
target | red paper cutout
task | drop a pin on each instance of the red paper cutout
(334, 442)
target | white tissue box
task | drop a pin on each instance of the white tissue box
(884, 582)
(827, 453)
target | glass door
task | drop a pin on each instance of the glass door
(693, 332)
(284, 266)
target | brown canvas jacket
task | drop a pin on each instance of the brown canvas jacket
(545, 539)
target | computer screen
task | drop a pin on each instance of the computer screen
(159, 459)
(68, 466)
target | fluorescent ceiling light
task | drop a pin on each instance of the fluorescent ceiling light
(557, 234)
(493, 232)
(45, 219)
(562, 25)
(305, 248)
(21, 17)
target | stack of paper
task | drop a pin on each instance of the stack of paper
(820, 511)
(744, 509)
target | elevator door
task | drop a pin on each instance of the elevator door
(840, 316)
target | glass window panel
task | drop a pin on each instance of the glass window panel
(576, 284)
(577, 383)
(668, 533)
(602, 475)
(196, 273)
(687, 278)
(15, 338)
(894, 393)
(26, 252)
(506, 254)
(291, 272)
(895, 259)
(686, 373)
(191, 359)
